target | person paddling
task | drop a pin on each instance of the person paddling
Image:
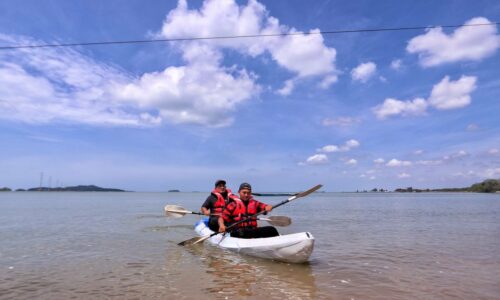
(215, 203)
(242, 208)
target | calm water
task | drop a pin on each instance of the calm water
(368, 246)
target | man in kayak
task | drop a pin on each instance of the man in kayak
(215, 204)
(242, 208)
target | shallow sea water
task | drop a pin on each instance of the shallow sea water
(368, 246)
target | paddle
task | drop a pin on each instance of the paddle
(176, 211)
(197, 240)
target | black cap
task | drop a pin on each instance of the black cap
(245, 185)
(220, 181)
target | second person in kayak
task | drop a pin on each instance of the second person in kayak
(242, 208)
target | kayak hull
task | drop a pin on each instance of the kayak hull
(291, 248)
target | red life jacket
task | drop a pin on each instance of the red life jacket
(220, 204)
(242, 212)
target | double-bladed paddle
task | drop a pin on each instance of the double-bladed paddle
(176, 211)
(197, 240)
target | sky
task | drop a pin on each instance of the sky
(351, 111)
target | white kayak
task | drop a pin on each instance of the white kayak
(292, 248)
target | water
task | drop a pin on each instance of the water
(368, 246)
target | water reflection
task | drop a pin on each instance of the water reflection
(231, 274)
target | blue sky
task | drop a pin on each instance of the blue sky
(351, 111)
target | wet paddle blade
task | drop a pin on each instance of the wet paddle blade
(194, 240)
(281, 221)
(175, 211)
(305, 193)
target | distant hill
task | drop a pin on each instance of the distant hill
(78, 188)
(487, 186)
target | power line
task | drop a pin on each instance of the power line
(241, 36)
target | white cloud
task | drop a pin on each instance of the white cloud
(328, 81)
(404, 175)
(61, 84)
(45, 85)
(287, 88)
(301, 53)
(467, 43)
(493, 151)
(192, 94)
(379, 161)
(316, 159)
(347, 146)
(329, 149)
(340, 121)
(444, 95)
(472, 127)
(392, 107)
(396, 64)
(364, 71)
(429, 162)
(452, 94)
(398, 163)
(418, 152)
(456, 155)
(351, 161)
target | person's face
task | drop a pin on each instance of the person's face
(221, 188)
(245, 194)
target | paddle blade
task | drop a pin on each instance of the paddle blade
(194, 240)
(281, 221)
(305, 193)
(175, 211)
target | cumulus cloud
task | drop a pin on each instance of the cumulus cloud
(347, 146)
(63, 84)
(340, 121)
(456, 155)
(364, 71)
(398, 163)
(467, 43)
(379, 161)
(393, 107)
(444, 95)
(316, 159)
(351, 161)
(287, 88)
(396, 64)
(404, 175)
(301, 53)
(43, 85)
(452, 94)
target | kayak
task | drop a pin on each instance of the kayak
(292, 248)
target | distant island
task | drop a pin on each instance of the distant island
(78, 188)
(173, 191)
(487, 186)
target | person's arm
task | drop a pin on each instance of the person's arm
(205, 211)
(264, 207)
(222, 226)
(226, 216)
(207, 206)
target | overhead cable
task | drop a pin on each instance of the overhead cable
(240, 36)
